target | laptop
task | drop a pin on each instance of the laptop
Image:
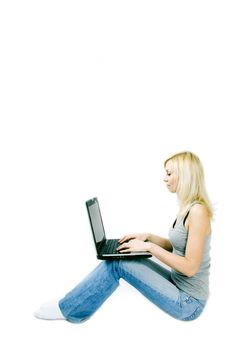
(106, 248)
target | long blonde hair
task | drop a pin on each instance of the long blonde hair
(191, 185)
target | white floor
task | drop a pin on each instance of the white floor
(129, 320)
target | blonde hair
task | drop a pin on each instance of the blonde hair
(191, 185)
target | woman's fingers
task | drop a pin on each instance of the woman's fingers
(126, 238)
(122, 239)
(123, 246)
(127, 250)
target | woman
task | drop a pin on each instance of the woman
(180, 291)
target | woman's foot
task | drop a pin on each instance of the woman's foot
(49, 311)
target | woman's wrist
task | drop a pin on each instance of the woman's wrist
(149, 246)
(148, 236)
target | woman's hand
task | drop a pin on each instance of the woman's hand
(140, 236)
(134, 245)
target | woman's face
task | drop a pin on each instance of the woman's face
(171, 178)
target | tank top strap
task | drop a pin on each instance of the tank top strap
(183, 218)
(188, 210)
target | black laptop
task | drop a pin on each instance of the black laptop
(106, 248)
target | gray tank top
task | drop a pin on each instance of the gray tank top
(198, 285)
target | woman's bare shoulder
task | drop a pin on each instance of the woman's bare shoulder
(199, 213)
(199, 208)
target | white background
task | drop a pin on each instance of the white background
(94, 96)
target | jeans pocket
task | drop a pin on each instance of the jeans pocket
(191, 308)
(194, 315)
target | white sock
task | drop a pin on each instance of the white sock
(49, 311)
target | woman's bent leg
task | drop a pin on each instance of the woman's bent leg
(152, 280)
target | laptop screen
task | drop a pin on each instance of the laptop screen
(96, 220)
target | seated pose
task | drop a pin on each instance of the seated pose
(181, 289)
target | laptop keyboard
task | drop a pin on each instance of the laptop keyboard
(110, 247)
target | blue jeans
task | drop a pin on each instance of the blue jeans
(151, 279)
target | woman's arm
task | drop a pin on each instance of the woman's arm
(198, 228)
(160, 241)
(163, 242)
